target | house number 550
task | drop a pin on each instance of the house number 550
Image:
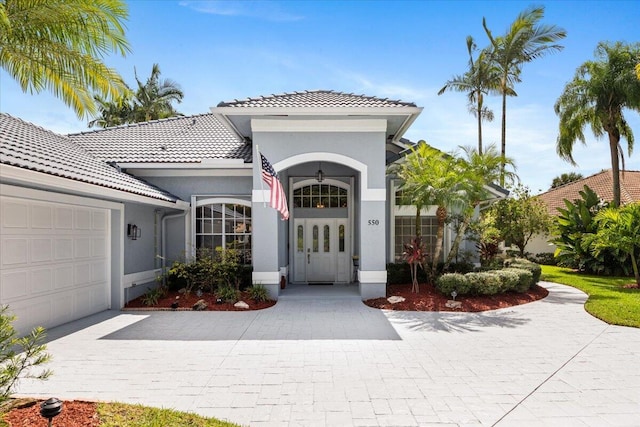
(374, 222)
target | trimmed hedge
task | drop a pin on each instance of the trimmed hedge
(450, 282)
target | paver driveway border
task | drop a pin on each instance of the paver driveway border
(313, 360)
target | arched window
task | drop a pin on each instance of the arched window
(320, 196)
(224, 226)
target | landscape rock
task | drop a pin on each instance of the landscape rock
(453, 304)
(241, 304)
(395, 299)
(200, 305)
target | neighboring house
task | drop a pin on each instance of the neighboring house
(601, 183)
(90, 219)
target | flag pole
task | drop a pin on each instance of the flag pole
(264, 203)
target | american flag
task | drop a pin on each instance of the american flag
(278, 200)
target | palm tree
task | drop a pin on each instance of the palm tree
(431, 178)
(479, 170)
(153, 99)
(565, 178)
(57, 45)
(479, 80)
(525, 40)
(596, 96)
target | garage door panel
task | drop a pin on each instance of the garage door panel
(15, 251)
(55, 263)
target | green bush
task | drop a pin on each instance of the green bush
(228, 294)
(258, 293)
(400, 274)
(525, 278)
(483, 283)
(508, 279)
(545, 258)
(152, 295)
(449, 282)
(535, 269)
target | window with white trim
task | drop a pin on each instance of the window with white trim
(405, 230)
(225, 226)
(320, 196)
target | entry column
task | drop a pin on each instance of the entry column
(372, 275)
(265, 244)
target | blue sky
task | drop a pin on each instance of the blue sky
(401, 50)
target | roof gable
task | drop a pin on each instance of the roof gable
(315, 99)
(601, 183)
(28, 146)
(184, 139)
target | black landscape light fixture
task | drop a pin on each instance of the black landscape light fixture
(51, 408)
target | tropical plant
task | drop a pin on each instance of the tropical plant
(431, 178)
(486, 236)
(415, 255)
(596, 96)
(521, 217)
(19, 356)
(566, 178)
(228, 294)
(152, 100)
(619, 229)
(479, 171)
(258, 293)
(482, 78)
(153, 295)
(525, 40)
(57, 45)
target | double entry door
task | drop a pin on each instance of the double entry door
(321, 250)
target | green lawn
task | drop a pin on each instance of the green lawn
(608, 300)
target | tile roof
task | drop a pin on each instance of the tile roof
(185, 139)
(315, 99)
(601, 183)
(28, 146)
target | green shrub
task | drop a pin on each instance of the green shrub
(258, 293)
(545, 258)
(228, 294)
(525, 278)
(524, 264)
(152, 295)
(508, 279)
(483, 283)
(400, 274)
(449, 282)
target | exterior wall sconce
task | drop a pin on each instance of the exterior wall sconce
(133, 231)
(320, 174)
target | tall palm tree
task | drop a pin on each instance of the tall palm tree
(525, 40)
(57, 45)
(478, 170)
(153, 99)
(431, 178)
(596, 96)
(112, 113)
(479, 80)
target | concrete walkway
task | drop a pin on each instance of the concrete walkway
(325, 359)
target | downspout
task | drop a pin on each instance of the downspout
(163, 254)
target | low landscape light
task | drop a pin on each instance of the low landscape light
(50, 408)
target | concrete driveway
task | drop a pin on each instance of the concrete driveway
(324, 358)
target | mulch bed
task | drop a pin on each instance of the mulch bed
(74, 414)
(428, 299)
(186, 302)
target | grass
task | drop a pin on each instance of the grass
(125, 415)
(608, 299)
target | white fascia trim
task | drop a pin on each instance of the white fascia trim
(348, 125)
(28, 177)
(265, 277)
(191, 172)
(48, 196)
(406, 124)
(222, 118)
(204, 164)
(315, 111)
(372, 276)
(261, 196)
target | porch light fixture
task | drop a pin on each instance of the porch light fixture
(320, 174)
(133, 231)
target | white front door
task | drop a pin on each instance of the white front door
(321, 250)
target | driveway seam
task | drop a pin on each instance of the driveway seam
(552, 375)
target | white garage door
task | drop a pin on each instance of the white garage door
(54, 264)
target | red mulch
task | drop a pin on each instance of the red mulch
(428, 299)
(74, 414)
(186, 302)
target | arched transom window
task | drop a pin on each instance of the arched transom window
(225, 226)
(320, 196)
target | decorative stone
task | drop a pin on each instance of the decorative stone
(241, 304)
(453, 304)
(200, 305)
(395, 299)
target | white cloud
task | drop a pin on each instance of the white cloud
(267, 10)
